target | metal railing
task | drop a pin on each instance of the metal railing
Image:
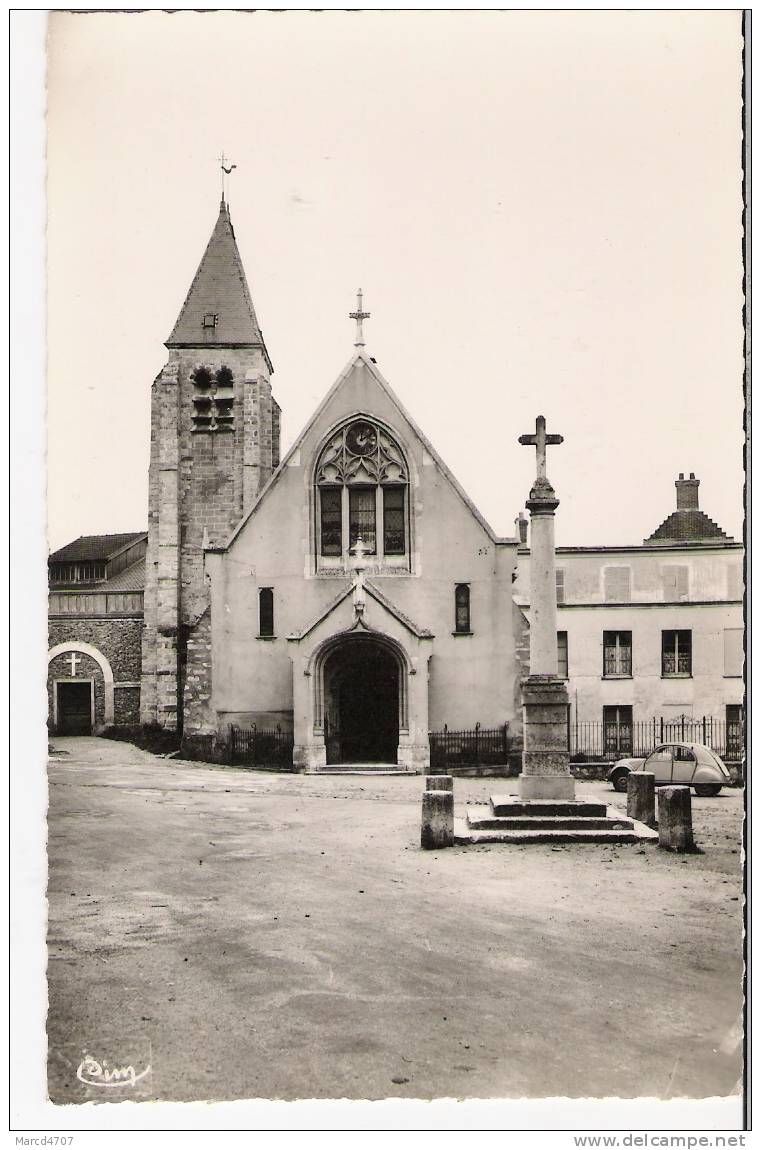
(591, 741)
(264, 748)
(478, 747)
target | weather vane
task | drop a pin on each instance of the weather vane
(223, 162)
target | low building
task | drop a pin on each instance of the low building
(95, 626)
(650, 637)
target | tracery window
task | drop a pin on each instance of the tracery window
(362, 491)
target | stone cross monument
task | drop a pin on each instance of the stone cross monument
(546, 772)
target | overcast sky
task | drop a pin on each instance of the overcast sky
(543, 210)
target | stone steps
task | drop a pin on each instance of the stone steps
(506, 806)
(464, 835)
(483, 822)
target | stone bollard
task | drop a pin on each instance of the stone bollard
(640, 797)
(439, 783)
(437, 825)
(675, 819)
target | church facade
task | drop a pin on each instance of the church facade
(352, 593)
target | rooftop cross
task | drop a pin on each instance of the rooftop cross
(359, 315)
(540, 440)
(223, 161)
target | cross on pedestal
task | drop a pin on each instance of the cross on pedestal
(359, 315)
(75, 660)
(540, 440)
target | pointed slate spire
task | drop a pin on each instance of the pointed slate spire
(218, 310)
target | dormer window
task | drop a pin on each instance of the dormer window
(362, 486)
(210, 320)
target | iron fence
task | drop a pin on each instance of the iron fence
(591, 741)
(479, 747)
(267, 749)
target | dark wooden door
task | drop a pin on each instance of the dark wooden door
(74, 708)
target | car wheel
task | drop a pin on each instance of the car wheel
(707, 790)
(619, 782)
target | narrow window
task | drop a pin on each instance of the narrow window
(462, 609)
(266, 612)
(560, 584)
(617, 730)
(562, 654)
(617, 584)
(393, 520)
(330, 520)
(362, 517)
(616, 654)
(676, 653)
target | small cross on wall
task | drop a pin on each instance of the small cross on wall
(75, 661)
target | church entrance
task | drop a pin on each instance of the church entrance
(74, 708)
(361, 703)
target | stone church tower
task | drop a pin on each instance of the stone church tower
(215, 441)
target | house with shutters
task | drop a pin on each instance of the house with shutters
(650, 637)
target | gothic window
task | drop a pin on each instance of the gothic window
(462, 609)
(330, 520)
(362, 482)
(362, 517)
(676, 653)
(266, 613)
(616, 654)
(213, 399)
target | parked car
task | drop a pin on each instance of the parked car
(691, 764)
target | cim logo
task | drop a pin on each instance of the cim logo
(94, 1073)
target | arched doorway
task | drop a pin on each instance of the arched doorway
(361, 684)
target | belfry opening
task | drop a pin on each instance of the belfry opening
(362, 702)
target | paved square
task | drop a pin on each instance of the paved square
(261, 936)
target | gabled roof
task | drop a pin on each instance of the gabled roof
(97, 547)
(130, 579)
(219, 289)
(689, 525)
(362, 357)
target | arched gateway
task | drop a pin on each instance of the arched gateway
(363, 700)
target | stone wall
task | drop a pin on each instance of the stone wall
(119, 642)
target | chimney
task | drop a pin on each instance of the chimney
(521, 529)
(687, 492)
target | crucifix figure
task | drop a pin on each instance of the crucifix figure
(358, 552)
(359, 315)
(540, 440)
(75, 660)
(223, 162)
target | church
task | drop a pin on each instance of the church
(349, 593)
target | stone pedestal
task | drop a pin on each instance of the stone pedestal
(675, 819)
(546, 763)
(640, 797)
(437, 822)
(439, 783)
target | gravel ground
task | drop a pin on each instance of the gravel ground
(251, 935)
